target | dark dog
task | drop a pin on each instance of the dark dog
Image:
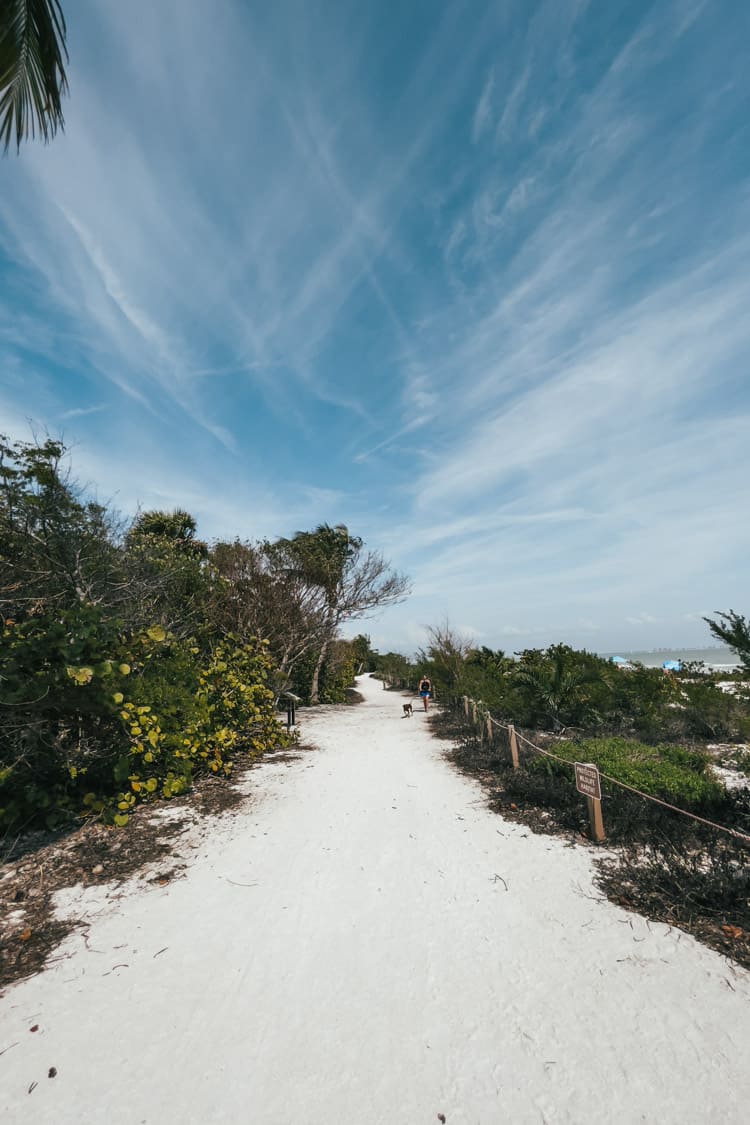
(408, 711)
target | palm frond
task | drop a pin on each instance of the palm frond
(32, 69)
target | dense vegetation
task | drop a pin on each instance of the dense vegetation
(643, 728)
(560, 688)
(134, 657)
(640, 725)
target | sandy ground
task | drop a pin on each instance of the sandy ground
(366, 944)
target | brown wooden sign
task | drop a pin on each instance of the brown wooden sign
(587, 780)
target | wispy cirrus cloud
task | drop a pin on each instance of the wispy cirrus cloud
(476, 287)
(81, 411)
(592, 369)
(483, 112)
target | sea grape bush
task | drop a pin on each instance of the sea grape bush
(134, 656)
(104, 720)
(232, 713)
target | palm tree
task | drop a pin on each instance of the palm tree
(176, 528)
(556, 686)
(32, 69)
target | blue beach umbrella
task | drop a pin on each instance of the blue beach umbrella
(618, 659)
(671, 665)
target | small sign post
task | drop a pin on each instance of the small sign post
(588, 783)
(291, 708)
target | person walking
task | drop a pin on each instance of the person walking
(425, 690)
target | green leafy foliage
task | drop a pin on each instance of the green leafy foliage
(32, 69)
(351, 582)
(336, 673)
(564, 689)
(134, 658)
(57, 549)
(733, 630)
(673, 773)
(365, 659)
(116, 686)
(395, 669)
(117, 719)
(56, 683)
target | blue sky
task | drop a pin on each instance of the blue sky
(472, 278)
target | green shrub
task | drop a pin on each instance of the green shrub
(58, 673)
(337, 673)
(709, 712)
(337, 677)
(395, 670)
(94, 721)
(673, 773)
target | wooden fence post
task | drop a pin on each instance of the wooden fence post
(595, 819)
(466, 706)
(513, 746)
(474, 713)
(489, 728)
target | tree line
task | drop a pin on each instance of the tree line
(134, 655)
(562, 688)
(663, 734)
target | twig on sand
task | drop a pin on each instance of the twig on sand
(499, 878)
(236, 884)
(164, 950)
(86, 940)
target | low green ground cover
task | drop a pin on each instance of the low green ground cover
(673, 773)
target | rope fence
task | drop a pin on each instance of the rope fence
(485, 722)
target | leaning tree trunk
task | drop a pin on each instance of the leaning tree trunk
(314, 688)
(315, 685)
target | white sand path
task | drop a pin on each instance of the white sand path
(376, 971)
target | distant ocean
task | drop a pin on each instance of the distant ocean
(722, 659)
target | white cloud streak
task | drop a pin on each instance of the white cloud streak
(509, 305)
